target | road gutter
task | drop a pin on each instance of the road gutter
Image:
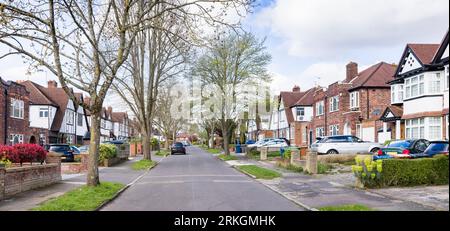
(126, 187)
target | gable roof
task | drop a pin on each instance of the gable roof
(119, 116)
(424, 52)
(375, 76)
(289, 99)
(442, 47)
(396, 111)
(37, 95)
(307, 99)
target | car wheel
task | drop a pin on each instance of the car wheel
(332, 151)
(374, 150)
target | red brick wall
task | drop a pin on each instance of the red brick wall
(14, 125)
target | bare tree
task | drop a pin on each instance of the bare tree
(85, 43)
(226, 67)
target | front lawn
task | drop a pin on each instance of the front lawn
(143, 165)
(354, 207)
(258, 172)
(213, 150)
(84, 198)
(227, 157)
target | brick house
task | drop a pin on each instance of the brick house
(354, 106)
(292, 116)
(14, 112)
(420, 89)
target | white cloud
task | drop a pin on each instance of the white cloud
(323, 28)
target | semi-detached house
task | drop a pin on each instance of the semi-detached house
(54, 117)
(354, 106)
(419, 107)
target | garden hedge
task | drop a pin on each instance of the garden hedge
(107, 151)
(402, 172)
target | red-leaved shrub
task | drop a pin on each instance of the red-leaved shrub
(9, 153)
(29, 153)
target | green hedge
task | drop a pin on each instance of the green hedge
(107, 151)
(403, 172)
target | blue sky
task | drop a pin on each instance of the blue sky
(311, 41)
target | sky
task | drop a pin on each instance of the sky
(311, 41)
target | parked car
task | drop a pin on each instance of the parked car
(344, 144)
(277, 143)
(260, 143)
(63, 149)
(178, 148)
(115, 142)
(402, 148)
(84, 148)
(75, 150)
(186, 143)
(435, 148)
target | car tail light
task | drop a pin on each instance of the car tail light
(406, 151)
(380, 152)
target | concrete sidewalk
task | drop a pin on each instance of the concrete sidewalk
(121, 173)
(319, 191)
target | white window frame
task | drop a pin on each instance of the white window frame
(44, 112)
(334, 130)
(411, 124)
(354, 100)
(80, 119)
(446, 77)
(334, 104)
(320, 131)
(397, 93)
(320, 108)
(417, 83)
(13, 136)
(70, 115)
(359, 130)
(17, 105)
(300, 111)
(434, 86)
(435, 123)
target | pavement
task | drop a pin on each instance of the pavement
(198, 181)
(121, 173)
(318, 191)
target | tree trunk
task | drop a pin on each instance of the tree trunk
(92, 168)
(226, 140)
(146, 146)
(166, 143)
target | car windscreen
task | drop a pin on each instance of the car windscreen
(399, 144)
(59, 148)
(178, 145)
(437, 147)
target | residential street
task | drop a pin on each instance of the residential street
(198, 181)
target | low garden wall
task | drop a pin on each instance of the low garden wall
(336, 158)
(15, 180)
(401, 172)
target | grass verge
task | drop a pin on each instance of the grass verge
(258, 172)
(354, 207)
(227, 157)
(323, 168)
(162, 153)
(291, 167)
(143, 165)
(213, 150)
(84, 198)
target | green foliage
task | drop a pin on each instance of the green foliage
(5, 162)
(107, 151)
(258, 172)
(287, 154)
(84, 198)
(253, 154)
(162, 153)
(143, 165)
(402, 172)
(154, 142)
(355, 207)
(213, 150)
(290, 167)
(227, 157)
(323, 168)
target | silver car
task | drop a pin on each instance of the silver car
(344, 145)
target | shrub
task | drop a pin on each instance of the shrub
(8, 153)
(154, 142)
(323, 168)
(28, 153)
(402, 172)
(107, 151)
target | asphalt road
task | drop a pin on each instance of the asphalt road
(198, 182)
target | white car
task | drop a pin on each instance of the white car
(259, 143)
(344, 145)
(278, 143)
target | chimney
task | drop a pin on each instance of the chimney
(352, 71)
(52, 84)
(296, 89)
(110, 110)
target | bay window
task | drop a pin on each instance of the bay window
(434, 128)
(43, 112)
(354, 100)
(424, 128)
(435, 84)
(397, 93)
(415, 128)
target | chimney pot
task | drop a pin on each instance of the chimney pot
(352, 71)
(296, 89)
(52, 84)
